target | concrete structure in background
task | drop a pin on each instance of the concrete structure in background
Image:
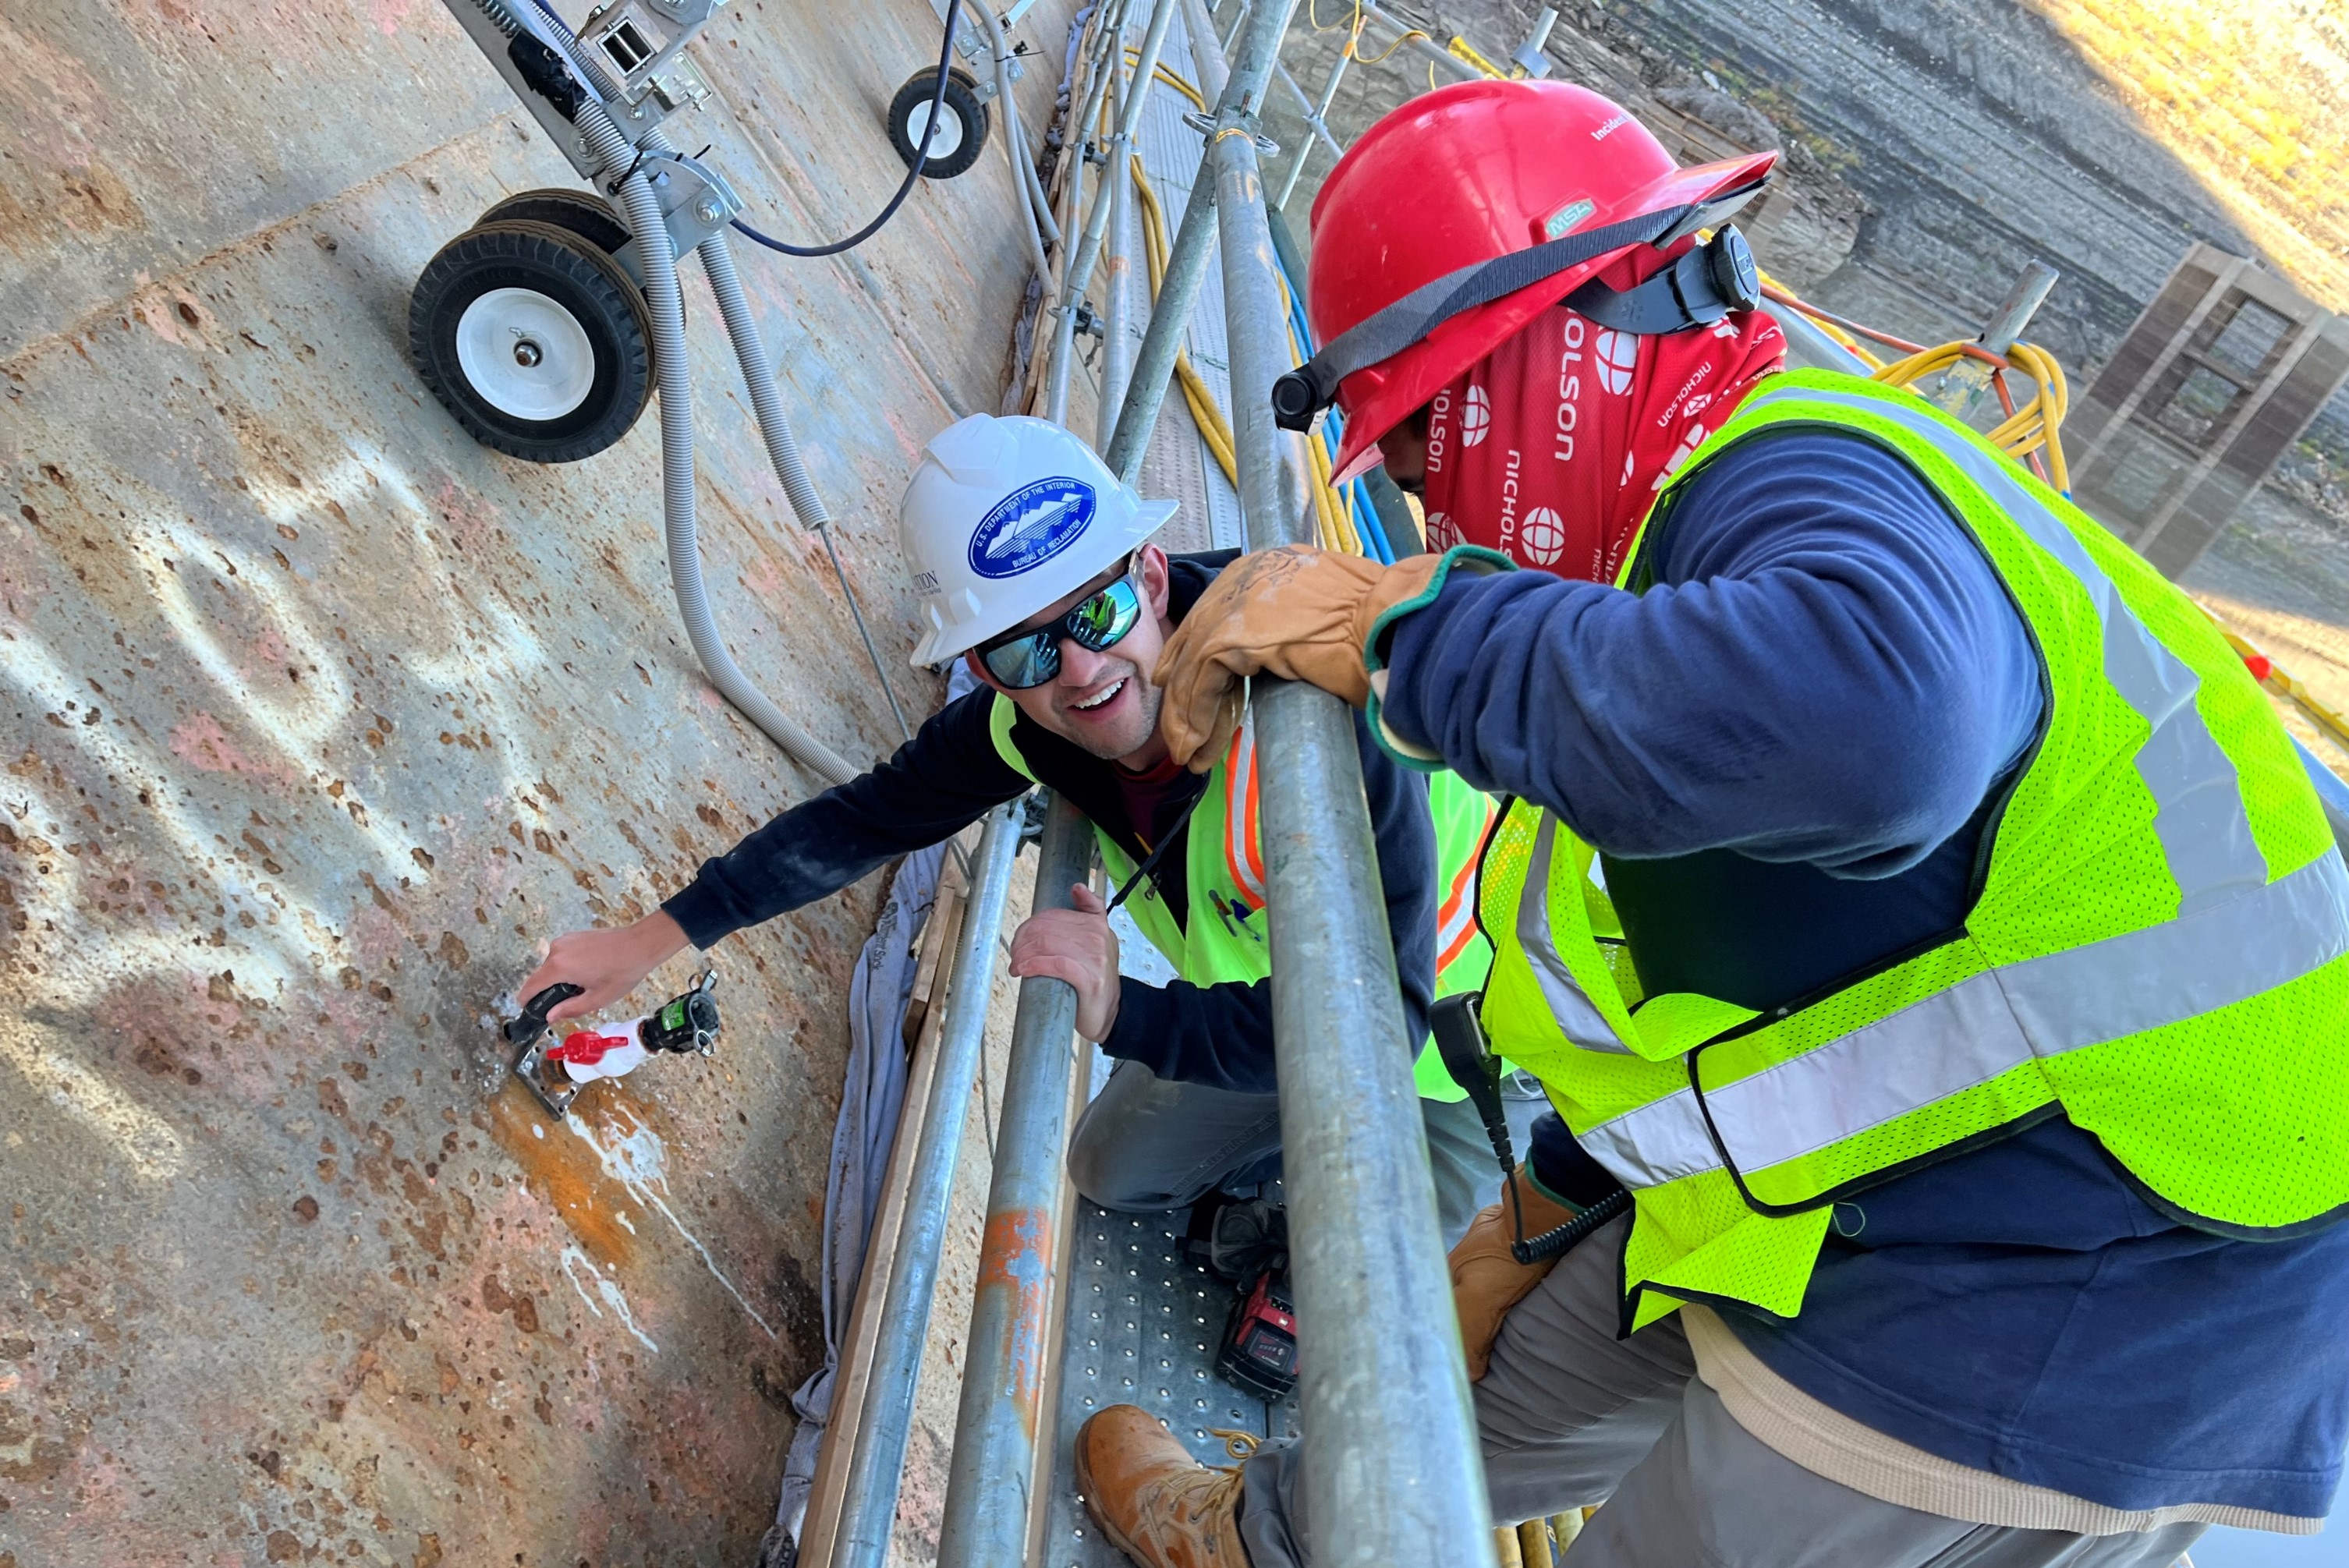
(318, 715)
(2218, 377)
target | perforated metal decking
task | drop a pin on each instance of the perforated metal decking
(1143, 1327)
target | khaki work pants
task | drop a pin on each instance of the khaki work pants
(1571, 1416)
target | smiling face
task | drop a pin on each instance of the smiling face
(1104, 701)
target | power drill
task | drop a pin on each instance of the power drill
(557, 1073)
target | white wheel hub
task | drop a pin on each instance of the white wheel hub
(950, 136)
(526, 355)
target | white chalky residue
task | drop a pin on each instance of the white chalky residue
(149, 1143)
(574, 1260)
(638, 1161)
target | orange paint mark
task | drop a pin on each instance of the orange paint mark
(564, 1173)
(1015, 1259)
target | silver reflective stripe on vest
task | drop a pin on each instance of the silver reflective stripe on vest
(1661, 1141)
(2182, 968)
(1577, 1017)
(2205, 833)
(1981, 1026)
(2235, 935)
(2042, 1006)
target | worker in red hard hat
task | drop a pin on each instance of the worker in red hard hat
(1934, 952)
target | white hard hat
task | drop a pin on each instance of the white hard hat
(1006, 516)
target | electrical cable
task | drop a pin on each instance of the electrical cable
(2030, 433)
(921, 162)
(1337, 515)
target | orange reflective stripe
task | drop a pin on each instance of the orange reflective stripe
(1241, 856)
(1455, 921)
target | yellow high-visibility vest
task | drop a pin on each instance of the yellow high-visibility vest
(2159, 948)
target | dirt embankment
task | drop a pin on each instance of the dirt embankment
(1935, 146)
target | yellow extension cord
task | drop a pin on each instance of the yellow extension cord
(2033, 426)
(1333, 529)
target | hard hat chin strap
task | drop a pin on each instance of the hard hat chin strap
(1711, 285)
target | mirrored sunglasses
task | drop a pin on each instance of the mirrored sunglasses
(1030, 659)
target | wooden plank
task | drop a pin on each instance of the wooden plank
(945, 914)
(932, 974)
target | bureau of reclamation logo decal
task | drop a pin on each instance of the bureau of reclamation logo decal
(1031, 526)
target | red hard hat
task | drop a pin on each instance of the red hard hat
(1465, 174)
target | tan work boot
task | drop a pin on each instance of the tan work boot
(1157, 1503)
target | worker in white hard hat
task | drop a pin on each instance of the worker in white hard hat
(1035, 566)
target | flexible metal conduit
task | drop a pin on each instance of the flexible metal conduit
(1002, 1422)
(1118, 339)
(869, 1504)
(1036, 210)
(666, 304)
(1390, 1433)
(678, 523)
(1242, 92)
(1079, 275)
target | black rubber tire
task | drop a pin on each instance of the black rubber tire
(961, 100)
(580, 278)
(582, 212)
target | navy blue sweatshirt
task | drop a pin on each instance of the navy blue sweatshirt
(950, 774)
(1787, 751)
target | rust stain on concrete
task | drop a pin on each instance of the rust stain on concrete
(319, 718)
(564, 1173)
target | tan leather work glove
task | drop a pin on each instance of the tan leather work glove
(1486, 1282)
(1298, 612)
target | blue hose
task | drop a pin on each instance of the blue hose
(1357, 501)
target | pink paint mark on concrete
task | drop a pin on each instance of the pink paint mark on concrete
(199, 742)
(471, 519)
(387, 15)
(269, 650)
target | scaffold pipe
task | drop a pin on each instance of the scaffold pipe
(1002, 1418)
(1194, 238)
(1390, 1434)
(868, 1508)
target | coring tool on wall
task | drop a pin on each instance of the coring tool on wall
(557, 1072)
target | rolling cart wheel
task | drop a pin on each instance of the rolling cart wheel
(534, 339)
(962, 123)
(582, 212)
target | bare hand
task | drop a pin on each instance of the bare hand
(1076, 946)
(607, 964)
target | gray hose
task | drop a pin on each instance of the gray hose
(666, 304)
(667, 307)
(782, 446)
(1041, 230)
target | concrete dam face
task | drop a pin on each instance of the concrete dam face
(320, 717)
